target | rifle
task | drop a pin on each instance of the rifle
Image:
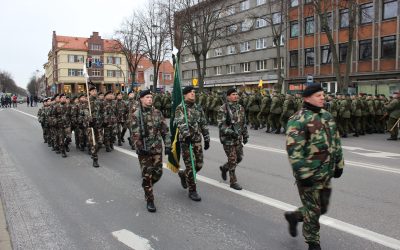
(229, 120)
(88, 99)
(397, 124)
(142, 128)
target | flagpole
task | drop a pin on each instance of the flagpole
(85, 74)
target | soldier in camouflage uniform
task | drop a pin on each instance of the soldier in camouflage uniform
(63, 118)
(379, 119)
(93, 120)
(166, 104)
(289, 108)
(315, 153)
(81, 126)
(232, 133)
(149, 129)
(275, 113)
(109, 121)
(42, 119)
(356, 114)
(253, 106)
(99, 117)
(190, 134)
(345, 114)
(264, 111)
(122, 117)
(53, 123)
(132, 106)
(371, 114)
(74, 119)
(393, 109)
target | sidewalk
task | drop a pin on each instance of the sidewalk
(5, 243)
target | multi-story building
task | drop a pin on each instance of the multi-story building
(108, 71)
(246, 54)
(375, 64)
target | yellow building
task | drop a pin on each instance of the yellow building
(64, 68)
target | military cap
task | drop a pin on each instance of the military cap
(144, 93)
(130, 91)
(230, 91)
(311, 89)
(118, 93)
(347, 94)
(81, 95)
(108, 93)
(91, 87)
(187, 89)
(100, 93)
(61, 95)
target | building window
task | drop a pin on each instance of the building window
(75, 59)
(75, 72)
(113, 60)
(96, 61)
(309, 25)
(96, 72)
(245, 46)
(367, 13)
(388, 47)
(294, 29)
(114, 73)
(245, 67)
(294, 58)
(95, 47)
(309, 57)
(390, 8)
(328, 22)
(326, 54)
(217, 52)
(344, 18)
(261, 43)
(281, 41)
(231, 29)
(342, 52)
(276, 18)
(218, 70)
(187, 74)
(308, 1)
(261, 65)
(260, 2)
(151, 78)
(365, 49)
(231, 69)
(260, 22)
(247, 24)
(230, 10)
(276, 63)
(245, 5)
(294, 3)
(166, 76)
(231, 49)
(195, 73)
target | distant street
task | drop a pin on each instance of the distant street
(56, 203)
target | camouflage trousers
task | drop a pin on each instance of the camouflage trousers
(235, 156)
(274, 120)
(263, 119)
(121, 130)
(151, 167)
(198, 162)
(45, 132)
(93, 145)
(380, 123)
(357, 124)
(109, 134)
(82, 139)
(63, 135)
(100, 135)
(315, 202)
(253, 119)
(284, 120)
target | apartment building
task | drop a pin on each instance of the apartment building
(109, 70)
(247, 52)
(375, 56)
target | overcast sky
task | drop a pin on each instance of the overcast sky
(26, 28)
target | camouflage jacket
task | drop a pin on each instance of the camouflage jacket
(276, 105)
(232, 125)
(197, 124)
(96, 107)
(122, 111)
(62, 115)
(84, 116)
(74, 114)
(393, 107)
(152, 132)
(265, 104)
(40, 115)
(313, 145)
(289, 107)
(109, 114)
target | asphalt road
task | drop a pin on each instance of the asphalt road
(56, 203)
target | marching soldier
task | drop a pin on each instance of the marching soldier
(315, 153)
(394, 114)
(253, 106)
(289, 108)
(42, 119)
(275, 113)
(132, 106)
(109, 121)
(93, 123)
(232, 133)
(190, 134)
(264, 111)
(122, 117)
(356, 113)
(149, 129)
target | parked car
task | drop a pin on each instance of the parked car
(21, 99)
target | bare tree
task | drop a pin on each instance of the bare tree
(7, 84)
(323, 9)
(203, 25)
(131, 43)
(154, 22)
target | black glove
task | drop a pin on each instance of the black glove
(206, 145)
(306, 182)
(142, 152)
(245, 140)
(167, 151)
(338, 172)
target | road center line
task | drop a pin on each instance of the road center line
(132, 240)
(325, 220)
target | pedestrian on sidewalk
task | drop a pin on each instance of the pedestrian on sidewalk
(315, 153)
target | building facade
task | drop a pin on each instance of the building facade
(245, 54)
(109, 68)
(375, 55)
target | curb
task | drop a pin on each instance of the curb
(5, 242)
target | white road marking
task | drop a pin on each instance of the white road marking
(90, 201)
(132, 240)
(372, 153)
(128, 237)
(325, 220)
(33, 116)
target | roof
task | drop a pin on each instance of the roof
(81, 43)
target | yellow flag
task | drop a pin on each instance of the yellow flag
(260, 83)
(195, 82)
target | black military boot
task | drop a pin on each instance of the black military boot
(194, 196)
(314, 246)
(112, 146)
(236, 186)
(63, 154)
(108, 148)
(95, 163)
(292, 220)
(151, 207)
(392, 138)
(181, 174)
(223, 172)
